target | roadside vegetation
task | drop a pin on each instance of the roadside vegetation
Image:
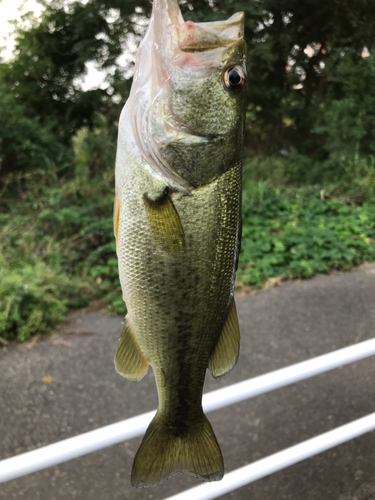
(309, 171)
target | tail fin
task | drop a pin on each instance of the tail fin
(162, 454)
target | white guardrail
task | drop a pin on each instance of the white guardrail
(83, 444)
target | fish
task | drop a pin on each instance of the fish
(177, 224)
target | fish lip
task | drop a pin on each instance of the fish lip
(206, 36)
(170, 28)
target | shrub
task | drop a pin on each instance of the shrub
(298, 233)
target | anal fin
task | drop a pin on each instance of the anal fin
(130, 362)
(226, 351)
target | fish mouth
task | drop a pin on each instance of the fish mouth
(200, 37)
(169, 25)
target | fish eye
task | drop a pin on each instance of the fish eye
(234, 78)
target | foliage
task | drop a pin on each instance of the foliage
(351, 179)
(57, 248)
(288, 89)
(298, 233)
(24, 141)
(309, 196)
(348, 120)
(95, 149)
(42, 83)
(33, 299)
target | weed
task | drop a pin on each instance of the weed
(294, 233)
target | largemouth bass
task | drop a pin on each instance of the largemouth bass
(177, 225)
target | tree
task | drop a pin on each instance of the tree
(287, 87)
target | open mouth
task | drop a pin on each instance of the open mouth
(199, 37)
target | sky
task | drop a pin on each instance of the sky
(10, 10)
(13, 9)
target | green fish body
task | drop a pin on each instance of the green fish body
(177, 226)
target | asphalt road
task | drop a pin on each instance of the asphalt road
(66, 384)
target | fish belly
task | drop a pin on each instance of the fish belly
(177, 303)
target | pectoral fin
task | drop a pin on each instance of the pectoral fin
(165, 225)
(226, 351)
(130, 362)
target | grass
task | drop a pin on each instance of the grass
(297, 233)
(57, 251)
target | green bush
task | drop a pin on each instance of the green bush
(293, 169)
(347, 127)
(57, 246)
(25, 143)
(352, 179)
(33, 299)
(298, 233)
